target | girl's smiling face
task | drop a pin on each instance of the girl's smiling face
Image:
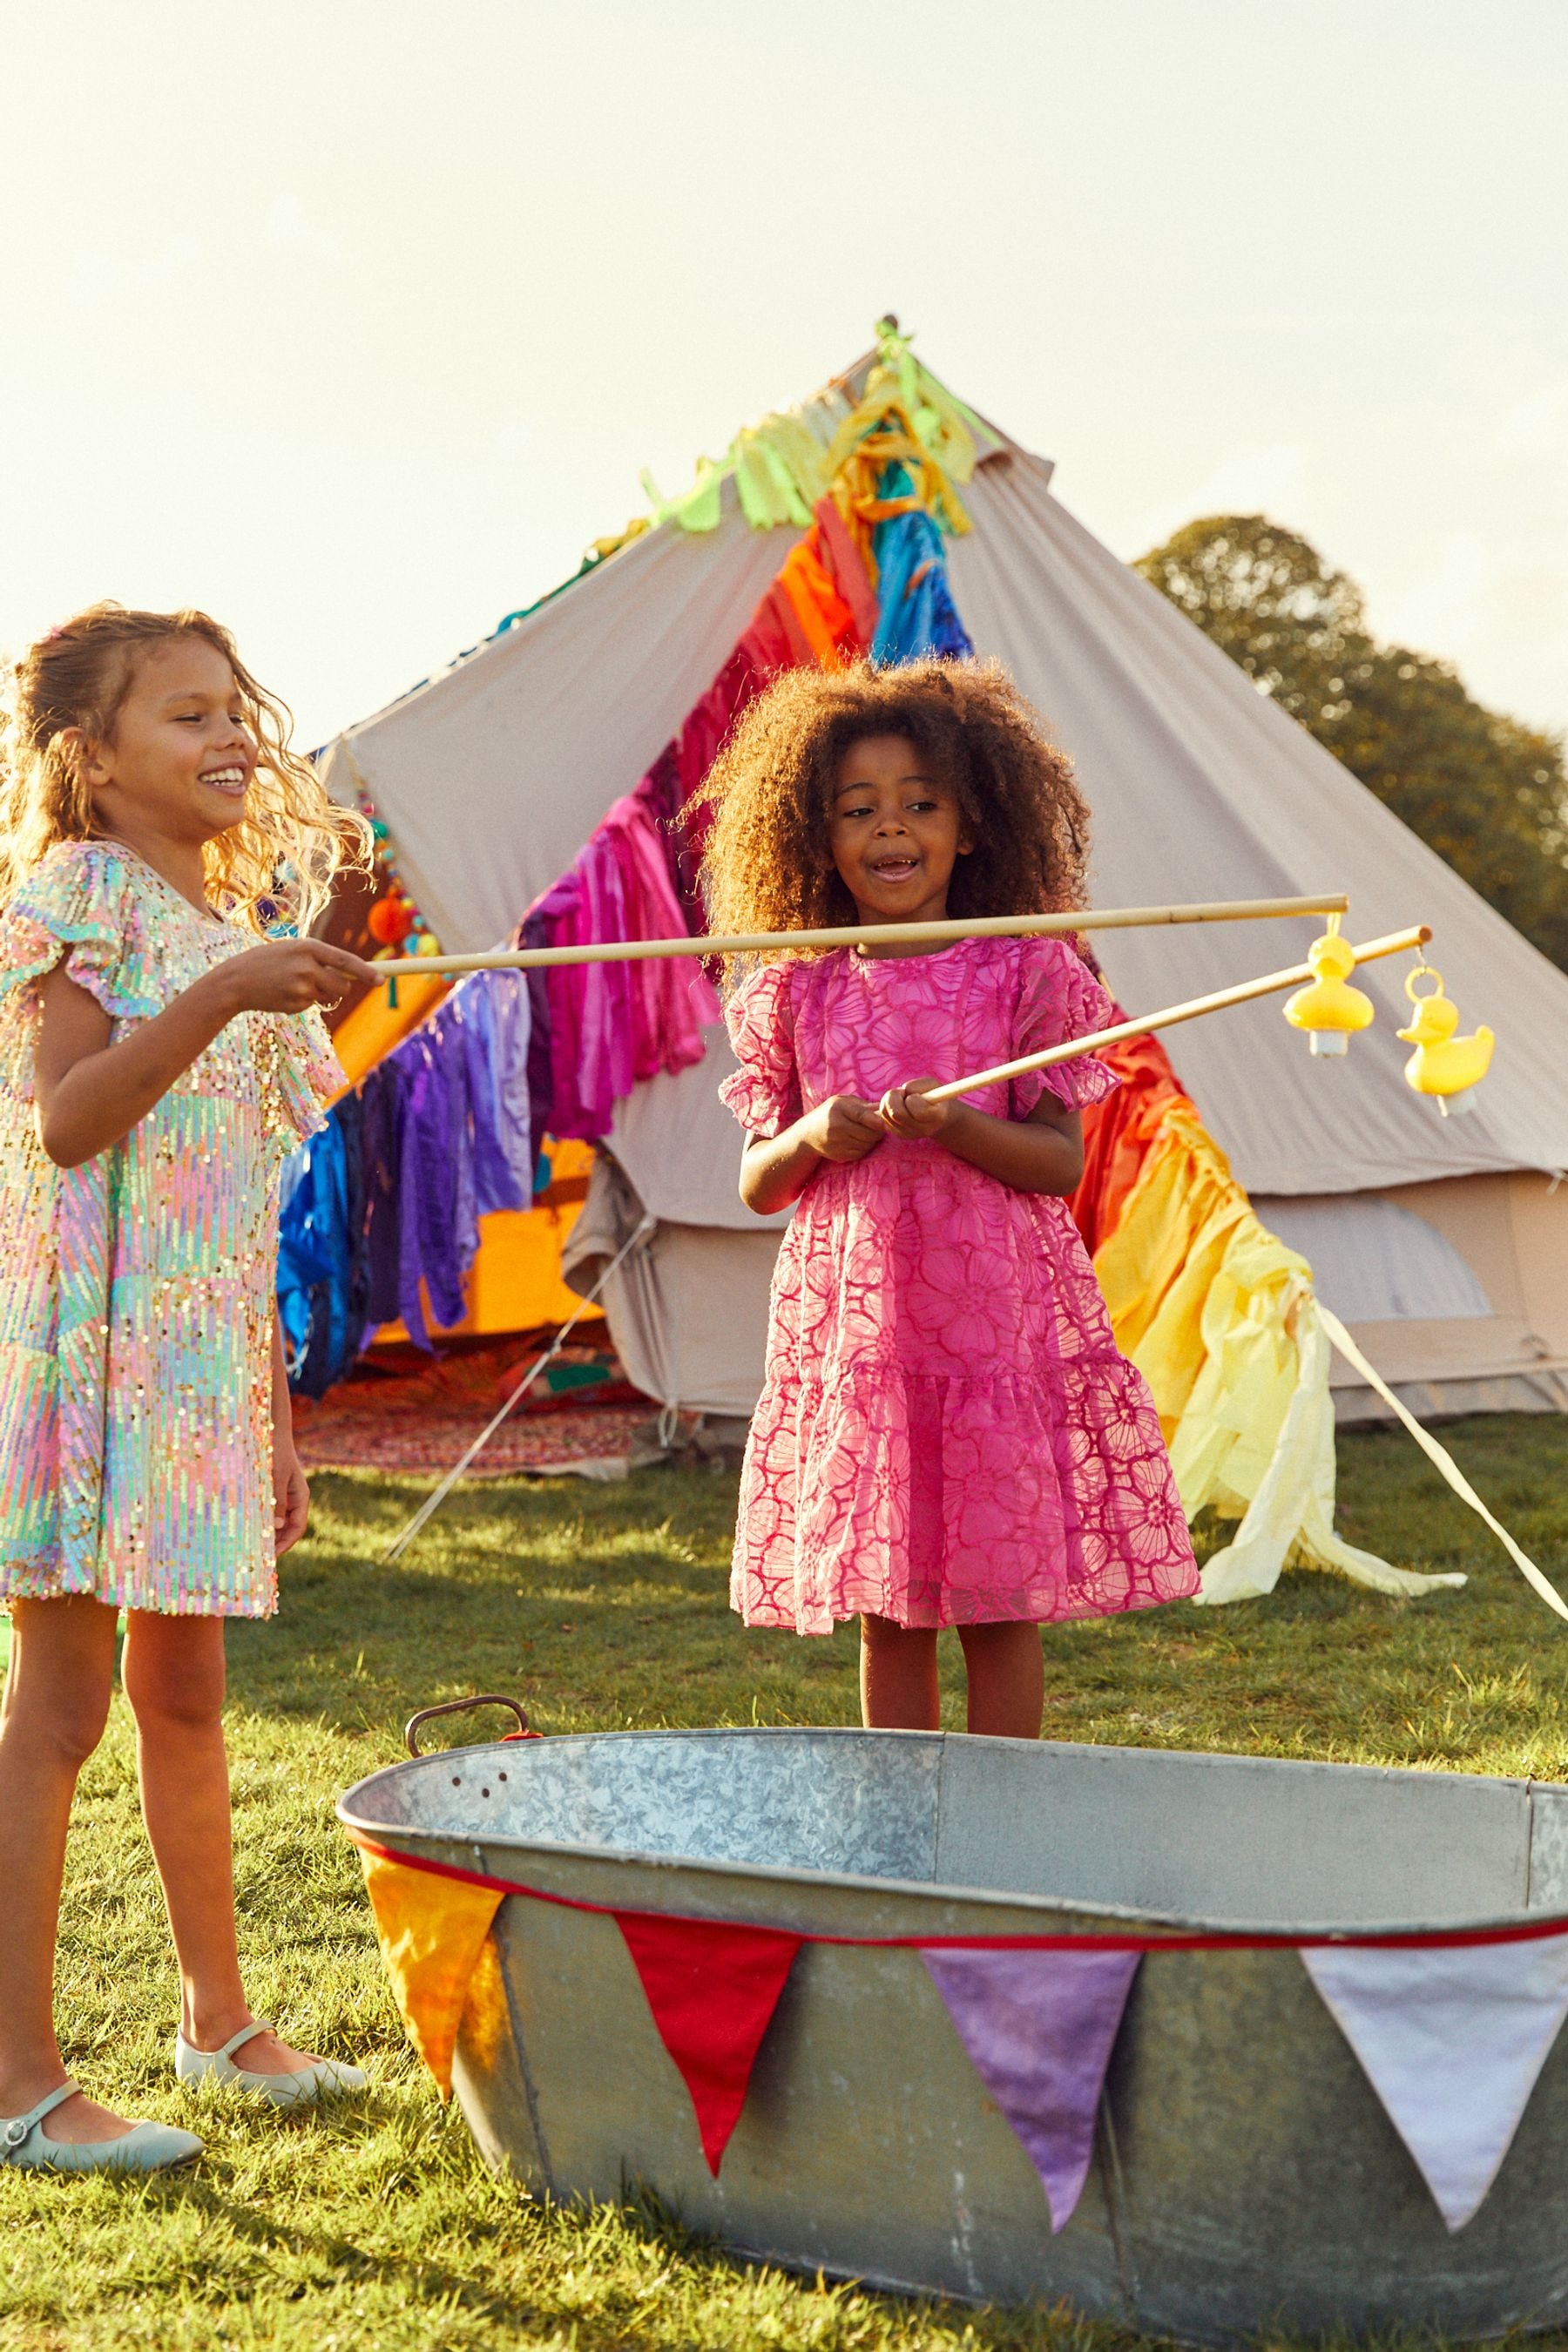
(178, 764)
(896, 829)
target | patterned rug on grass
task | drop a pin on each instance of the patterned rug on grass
(400, 1410)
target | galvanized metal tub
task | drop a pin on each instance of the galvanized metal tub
(1245, 2175)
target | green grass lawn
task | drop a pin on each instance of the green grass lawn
(603, 1607)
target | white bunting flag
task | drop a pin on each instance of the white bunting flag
(1451, 2040)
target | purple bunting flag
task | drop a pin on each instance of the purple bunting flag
(1038, 2027)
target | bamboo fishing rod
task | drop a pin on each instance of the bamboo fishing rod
(981, 927)
(1271, 983)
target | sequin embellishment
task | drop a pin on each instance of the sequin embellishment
(136, 1291)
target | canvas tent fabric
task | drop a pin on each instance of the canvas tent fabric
(1202, 788)
(493, 775)
(685, 1307)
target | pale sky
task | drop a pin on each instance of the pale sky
(354, 320)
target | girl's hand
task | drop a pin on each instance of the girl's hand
(843, 1129)
(289, 976)
(290, 1500)
(776, 1169)
(906, 1110)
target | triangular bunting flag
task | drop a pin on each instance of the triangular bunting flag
(1038, 2027)
(432, 1933)
(712, 1988)
(1451, 2040)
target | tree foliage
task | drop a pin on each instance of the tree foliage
(1489, 795)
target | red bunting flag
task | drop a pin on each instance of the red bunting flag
(712, 1988)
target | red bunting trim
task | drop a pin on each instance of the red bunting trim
(712, 1988)
(1420, 1939)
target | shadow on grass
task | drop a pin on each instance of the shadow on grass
(606, 1608)
(597, 1606)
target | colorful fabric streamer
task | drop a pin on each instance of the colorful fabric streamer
(324, 1283)
(918, 613)
(382, 1220)
(381, 1211)
(1219, 1317)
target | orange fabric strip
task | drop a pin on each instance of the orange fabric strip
(1118, 1133)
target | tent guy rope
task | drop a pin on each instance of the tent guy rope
(434, 1500)
(980, 926)
(1440, 1455)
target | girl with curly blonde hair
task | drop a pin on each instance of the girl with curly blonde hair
(946, 1435)
(160, 1054)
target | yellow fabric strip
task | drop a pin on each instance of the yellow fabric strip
(1442, 1457)
(1218, 1314)
(435, 1938)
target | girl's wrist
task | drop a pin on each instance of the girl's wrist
(218, 992)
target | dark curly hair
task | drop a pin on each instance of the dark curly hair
(766, 863)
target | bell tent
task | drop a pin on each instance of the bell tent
(1236, 1183)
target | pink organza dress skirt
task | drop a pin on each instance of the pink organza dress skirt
(947, 1435)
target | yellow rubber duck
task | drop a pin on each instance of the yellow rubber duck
(1445, 1065)
(1328, 1008)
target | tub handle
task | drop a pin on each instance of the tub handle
(462, 1707)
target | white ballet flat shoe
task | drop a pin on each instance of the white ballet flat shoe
(326, 2078)
(146, 2148)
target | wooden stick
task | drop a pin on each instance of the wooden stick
(982, 926)
(1298, 973)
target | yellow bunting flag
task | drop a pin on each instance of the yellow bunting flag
(435, 1938)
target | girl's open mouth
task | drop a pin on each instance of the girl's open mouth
(233, 781)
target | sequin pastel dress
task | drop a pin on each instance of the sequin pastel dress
(136, 1292)
(947, 1435)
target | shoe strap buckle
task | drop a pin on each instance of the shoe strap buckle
(16, 2131)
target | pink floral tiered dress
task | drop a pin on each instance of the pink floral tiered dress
(946, 1433)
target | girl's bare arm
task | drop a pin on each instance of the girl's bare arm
(1041, 1153)
(776, 1169)
(290, 1489)
(89, 1093)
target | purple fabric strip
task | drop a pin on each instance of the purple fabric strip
(380, 1113)
(1038, 2027)
(496, 1040)
(535, 933)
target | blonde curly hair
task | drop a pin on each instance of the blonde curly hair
(277, 864)
(768, 864)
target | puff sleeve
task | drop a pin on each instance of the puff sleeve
(764, 1092)
(309, 1074)
(1059, 998)
(79, 907)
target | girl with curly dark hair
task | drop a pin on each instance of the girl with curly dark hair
(946, 1435)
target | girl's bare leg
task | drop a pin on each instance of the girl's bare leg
(898, 1676)
(51, 1720)
(1006, 1678)
(173, 1675)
